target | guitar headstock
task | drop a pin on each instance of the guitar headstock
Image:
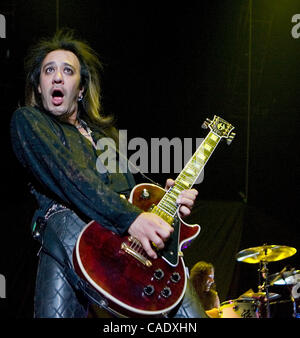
(220, 127)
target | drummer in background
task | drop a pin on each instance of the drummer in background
(202, 277)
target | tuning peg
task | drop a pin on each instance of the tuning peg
(206, 123)
(230, 138)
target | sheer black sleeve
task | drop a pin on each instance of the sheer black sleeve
(66, 171)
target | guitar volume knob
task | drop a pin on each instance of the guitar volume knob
(175, 277)
(149, 290)
(166, 292)
(159, 274)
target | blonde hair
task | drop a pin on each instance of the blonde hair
(90, 67)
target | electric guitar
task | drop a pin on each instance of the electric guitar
(117, 267)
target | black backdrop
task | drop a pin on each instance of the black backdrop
(168, 66)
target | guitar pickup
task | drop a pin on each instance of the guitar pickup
(136, 254)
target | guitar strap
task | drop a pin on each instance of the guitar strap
(52, 245)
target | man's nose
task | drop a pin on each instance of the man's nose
(58, 77)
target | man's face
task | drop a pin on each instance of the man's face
(60, 83)
(210, 278)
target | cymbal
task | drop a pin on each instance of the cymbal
(250, 295)
(285, 278)
(265, 253)
(263, 295)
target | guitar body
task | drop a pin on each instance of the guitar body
(120, 270)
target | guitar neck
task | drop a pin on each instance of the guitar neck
(189, 174)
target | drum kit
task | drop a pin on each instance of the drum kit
(257, 304)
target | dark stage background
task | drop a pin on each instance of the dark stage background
(167, 66)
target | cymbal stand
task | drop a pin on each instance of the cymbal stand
(263, 275)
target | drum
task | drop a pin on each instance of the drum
(296, 297)
(239, 308)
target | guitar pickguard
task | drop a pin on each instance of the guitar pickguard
(170, 253)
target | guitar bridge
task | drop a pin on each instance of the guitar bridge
(131, 251)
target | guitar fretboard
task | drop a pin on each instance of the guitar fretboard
(189, 174)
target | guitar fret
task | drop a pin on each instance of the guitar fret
(180, 185)
(172, 195)
(207, 147)
(201, 156)
(187, 182)
(171, 210)
(167, 204)
(175, 190)
(190, 172)
(164, 207)
(196, 163)
(164, 214)
(188, 177)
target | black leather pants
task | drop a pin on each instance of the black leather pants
(54, 296)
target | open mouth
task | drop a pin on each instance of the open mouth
(57, 96)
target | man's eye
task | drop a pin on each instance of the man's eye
(68, 70)
(49, 70)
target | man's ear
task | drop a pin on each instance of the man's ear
(81, 91)
(39, 89)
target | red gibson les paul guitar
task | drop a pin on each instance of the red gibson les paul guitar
(120, 270)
